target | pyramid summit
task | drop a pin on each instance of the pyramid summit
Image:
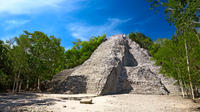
(118, 65)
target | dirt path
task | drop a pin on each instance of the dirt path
(110, 103)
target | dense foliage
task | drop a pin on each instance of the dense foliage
(146, 42)
(142, 40)
(27, 60)
(35, 57)
(4, 69)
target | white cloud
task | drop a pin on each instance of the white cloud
(17, 22)
(33, 6)
(83, 31)
(10, 24)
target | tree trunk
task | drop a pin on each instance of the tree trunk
(17, 83)
(182, 89)
(186, 89)
(38, 85)
(196, 91)
(27, 84)
(14, 84)
(188, 68)
(180, 82)
(20, 85)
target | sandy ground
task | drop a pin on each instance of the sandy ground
(110, 103)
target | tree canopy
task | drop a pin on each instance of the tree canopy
(141, 39)
(34, 57)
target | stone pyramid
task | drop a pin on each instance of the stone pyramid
(118, 65)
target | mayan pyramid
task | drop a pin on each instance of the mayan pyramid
(118, 65)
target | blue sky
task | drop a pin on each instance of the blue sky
(72, 19)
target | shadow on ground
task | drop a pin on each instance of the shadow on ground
(195, 109)
(10, 102)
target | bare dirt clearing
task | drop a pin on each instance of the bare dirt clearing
(110, 103)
